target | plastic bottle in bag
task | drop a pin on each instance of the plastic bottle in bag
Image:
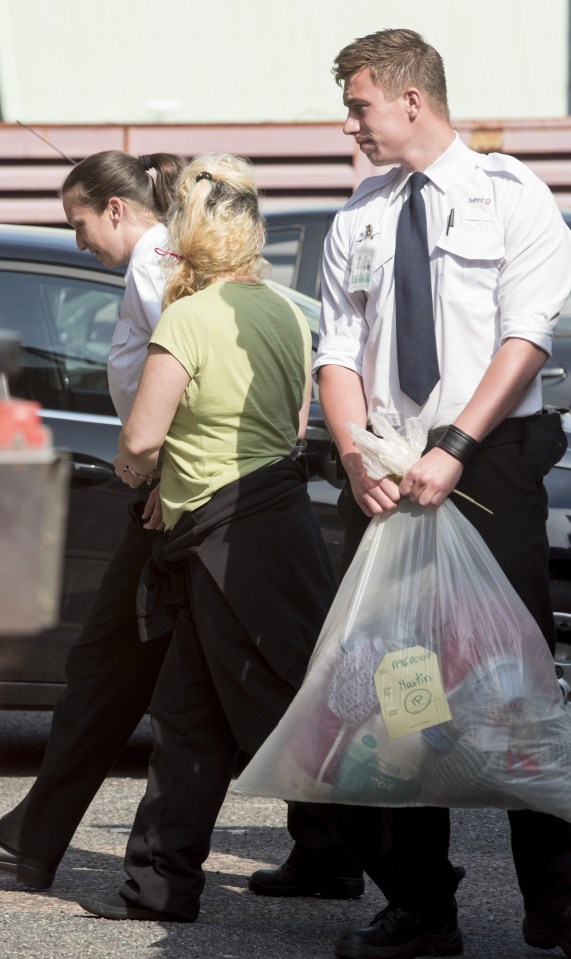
(375, 767)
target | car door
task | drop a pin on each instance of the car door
(294, 247)
(555, 375)
(65, 319)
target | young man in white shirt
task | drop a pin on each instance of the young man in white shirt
(499, 257)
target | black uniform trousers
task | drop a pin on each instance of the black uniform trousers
(507, 478)
(251, 574)
(110, 680)
(111, 676)
(215, 696)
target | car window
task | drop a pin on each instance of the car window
(65, 326)
(563, 327)
(311, 311)
(283, 250)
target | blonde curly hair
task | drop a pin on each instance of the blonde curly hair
(215, 225)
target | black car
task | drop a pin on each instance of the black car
(556, 374)
(64, 305)
(294, 245)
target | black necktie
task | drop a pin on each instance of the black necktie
(416, 341)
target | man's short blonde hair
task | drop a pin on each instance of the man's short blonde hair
(396, 59)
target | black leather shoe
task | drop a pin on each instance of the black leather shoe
(116, 907)
(287, 881)
(28, 872)
(547, 932)
(396, 934)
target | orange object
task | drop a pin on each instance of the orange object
(21, 425)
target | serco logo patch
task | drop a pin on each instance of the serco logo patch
(484, 200)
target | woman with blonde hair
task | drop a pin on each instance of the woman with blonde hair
(223, 402)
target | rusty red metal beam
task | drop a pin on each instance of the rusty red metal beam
(294, 162)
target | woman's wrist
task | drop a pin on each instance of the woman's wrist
(148, 477)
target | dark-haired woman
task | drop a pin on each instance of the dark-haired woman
(117, 205)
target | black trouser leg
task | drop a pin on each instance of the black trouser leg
(189, 773)
(327, 839)
(111, 677)
(541, 848)
(216, 694)
(387, 842)
(317, 849)
(541, 844)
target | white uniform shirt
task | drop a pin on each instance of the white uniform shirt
(140, 310)
(503, 269)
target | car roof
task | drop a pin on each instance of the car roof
(46, 244)
(300, 214)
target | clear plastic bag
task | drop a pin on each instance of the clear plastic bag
(431, 683)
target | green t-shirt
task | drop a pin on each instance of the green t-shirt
(247, 350)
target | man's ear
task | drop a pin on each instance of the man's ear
(413, 98)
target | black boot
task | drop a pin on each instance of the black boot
(397, 934)
(288, 881)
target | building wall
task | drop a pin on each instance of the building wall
(294, 164)
(187, 61)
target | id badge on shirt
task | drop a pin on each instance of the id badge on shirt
(362, 264)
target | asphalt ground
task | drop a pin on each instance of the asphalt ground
(234, 923)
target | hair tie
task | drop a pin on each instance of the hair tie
(146, 162)
(161, 252)
(205, 175)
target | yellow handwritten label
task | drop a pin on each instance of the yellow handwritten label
(410, 691)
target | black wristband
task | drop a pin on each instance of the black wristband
(456, 442)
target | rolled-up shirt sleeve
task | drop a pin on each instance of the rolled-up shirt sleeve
(535, 279)
(342, 331)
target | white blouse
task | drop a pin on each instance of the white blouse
(140, 311)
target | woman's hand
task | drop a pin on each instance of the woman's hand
(153, 511)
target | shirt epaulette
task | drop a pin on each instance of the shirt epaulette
(502, 163)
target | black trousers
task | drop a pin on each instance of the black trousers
(387, 842)
(111, 676)
(216, 694)
(110, 680)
